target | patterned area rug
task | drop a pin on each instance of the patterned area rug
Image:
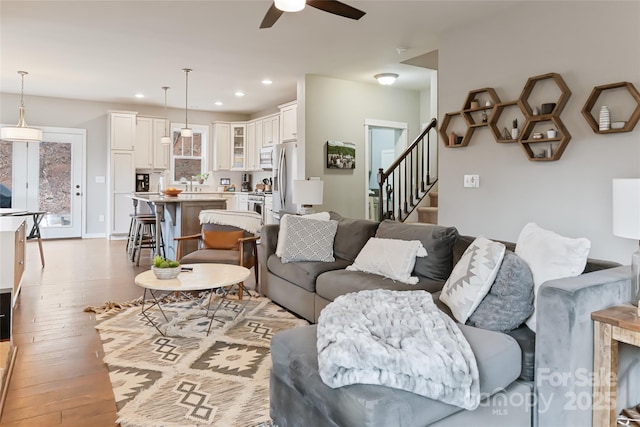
(188, 378)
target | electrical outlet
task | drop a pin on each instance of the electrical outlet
(472, 181)
(101, 218)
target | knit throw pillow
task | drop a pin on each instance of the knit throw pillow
(307, 239)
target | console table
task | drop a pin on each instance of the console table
(611, 326)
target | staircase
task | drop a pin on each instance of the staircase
(405, 184)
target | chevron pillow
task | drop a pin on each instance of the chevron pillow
(307, 239)
(472, 277)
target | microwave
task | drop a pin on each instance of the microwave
(266, 158)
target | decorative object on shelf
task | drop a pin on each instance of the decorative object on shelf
(626, 223)
(552, 133)
(186, 131)
(605, 118)
(21, 132)
(550, 151)
(452, 138)
(341, 155)
(633, 117)
(488, 103)
(537, 135)
(166, 139)
(165, 269)
(484, 117)
(618, 125)
(505, 133)
(547, 108)
(514, 129)
(474, 104)
(535, 111)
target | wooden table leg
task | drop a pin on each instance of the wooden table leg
(605, 366)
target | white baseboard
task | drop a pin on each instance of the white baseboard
(94, 236)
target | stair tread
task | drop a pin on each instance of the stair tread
(427, 208)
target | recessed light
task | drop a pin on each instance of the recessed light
(239, 93)
(139, 95)
(218, 103)
(266, 82)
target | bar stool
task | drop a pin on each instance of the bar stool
(145, 237)
(131, 239)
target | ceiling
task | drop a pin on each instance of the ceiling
(111, 50)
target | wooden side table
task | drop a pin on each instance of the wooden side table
(611, 326)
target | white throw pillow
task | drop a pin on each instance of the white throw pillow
(307, 239)
(282, 232)
(550, 256)
(390, 258)
(472, 277)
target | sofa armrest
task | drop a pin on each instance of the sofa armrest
(269, 240)
(564, 342)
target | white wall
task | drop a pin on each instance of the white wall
(336, 109)
(588, 44)
(92, 116)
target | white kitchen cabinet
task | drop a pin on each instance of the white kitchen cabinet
(122, 130)
(221, 160)
(121, 184)
(288, 121)
(149, 153)
(230, 200)
(238, 146)
(242, 202)
(252, 146)
(271, 130)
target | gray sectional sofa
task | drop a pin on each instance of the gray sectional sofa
(519, 370)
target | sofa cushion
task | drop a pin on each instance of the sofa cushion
(472, 277)
(436, 239)
(352, 235)
(295, 363)
(332, 284)
(509, 301)
(550, 256)
(392, 258)
(304, 273)
(306, 239)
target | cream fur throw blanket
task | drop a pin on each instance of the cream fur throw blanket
(398, 339)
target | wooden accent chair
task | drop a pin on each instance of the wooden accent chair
(223, 244)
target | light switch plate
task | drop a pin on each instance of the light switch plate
(472, 181)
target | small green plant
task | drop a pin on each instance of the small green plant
(159, 262)
(515, 123)
(203, 176)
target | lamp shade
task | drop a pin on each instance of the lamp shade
(308, 192)
(626, 208)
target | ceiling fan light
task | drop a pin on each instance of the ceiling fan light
(386, 79)
(290, 5)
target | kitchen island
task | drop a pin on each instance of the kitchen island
(178, 216)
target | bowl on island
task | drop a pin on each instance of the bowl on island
(172, 192)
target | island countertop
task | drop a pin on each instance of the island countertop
(191, 197)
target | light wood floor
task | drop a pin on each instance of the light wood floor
(59, 378)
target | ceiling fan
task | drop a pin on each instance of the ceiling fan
(278, 7)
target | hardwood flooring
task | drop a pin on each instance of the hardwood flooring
(59, 378)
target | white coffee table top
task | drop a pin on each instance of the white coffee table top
(203, 276)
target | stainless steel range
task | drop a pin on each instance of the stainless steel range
(256, 203)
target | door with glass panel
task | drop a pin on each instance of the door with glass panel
(47, 176)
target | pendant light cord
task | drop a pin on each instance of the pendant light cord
(22, 73)
(166, 121)
(186, 97)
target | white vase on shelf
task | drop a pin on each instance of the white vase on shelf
(605, 118)
(514, 133)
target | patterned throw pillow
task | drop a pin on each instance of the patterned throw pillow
(472, 277)
(307, 239)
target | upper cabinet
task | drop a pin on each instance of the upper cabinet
(149, 153)
(271, 130)
(238, 146)
(221, 146)
(288, 121)
(252, 154)
(122, 130)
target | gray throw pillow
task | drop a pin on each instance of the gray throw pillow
(352, 235)
(308, 239)
(509, 301)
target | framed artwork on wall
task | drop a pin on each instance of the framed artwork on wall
(341, 155)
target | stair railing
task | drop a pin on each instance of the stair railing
(408, 179)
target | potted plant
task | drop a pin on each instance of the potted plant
(165, 268)
(202, 177)
(514, 129)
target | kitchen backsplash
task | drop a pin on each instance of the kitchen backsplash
(212, 183)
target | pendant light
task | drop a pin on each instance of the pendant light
(186, 131)
(21, 132)
(166, 139)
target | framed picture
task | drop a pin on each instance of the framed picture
(341, 155)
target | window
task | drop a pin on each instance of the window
(188, 155)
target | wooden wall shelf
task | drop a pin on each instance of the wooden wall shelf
(472, 115)
(593, 99)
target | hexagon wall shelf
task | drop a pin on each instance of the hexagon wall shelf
(446, 121)
(565, 93)
(593, 99)
(495, 117)
(558, 143)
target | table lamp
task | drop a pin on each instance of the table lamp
(626, 223)
(307, 193)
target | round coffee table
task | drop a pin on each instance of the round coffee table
(220, 277)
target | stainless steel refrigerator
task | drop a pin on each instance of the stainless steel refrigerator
(284, 172)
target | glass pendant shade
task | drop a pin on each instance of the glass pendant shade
(186, 131)
(290, 5)
(21, 132)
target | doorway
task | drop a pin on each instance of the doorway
(384, 142)
(48, 176)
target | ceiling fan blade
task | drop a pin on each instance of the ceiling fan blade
(271, 16)
(337, 8)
